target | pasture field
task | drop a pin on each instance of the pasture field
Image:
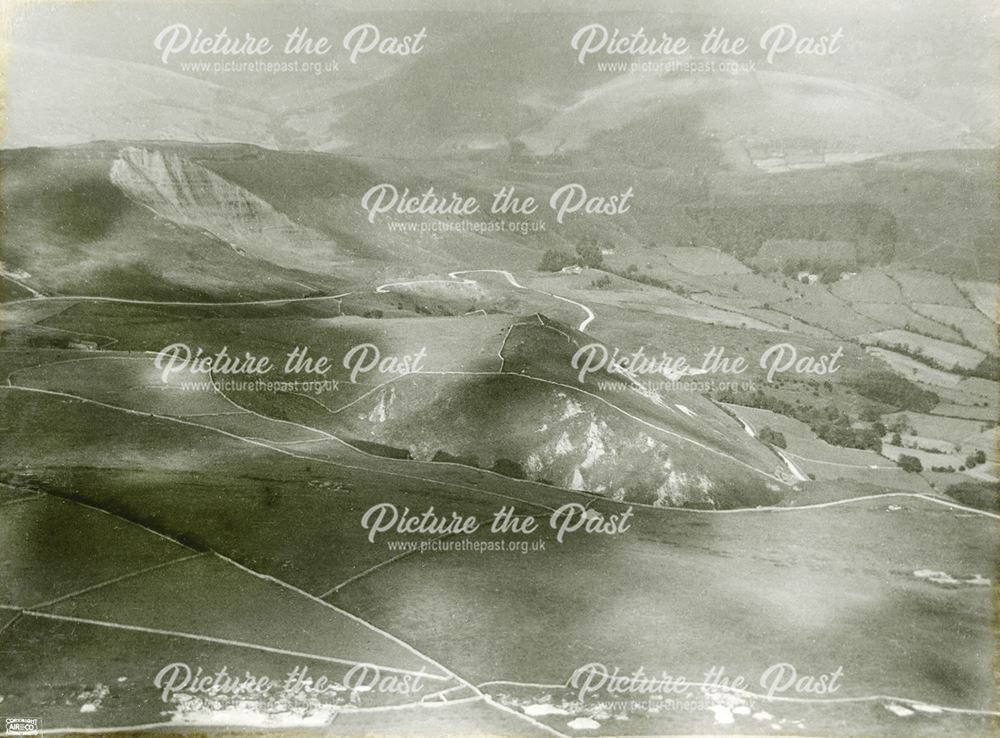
(977, 329)
(904, 316)
(916, 371)
(825, 311)
(971, 392)
(704, 262)
(208, 596)
(956, 431)
(960, 410)
(948, 354)
(774, 598)
(861, 287)
(983, 295)
(37, 532)
(919, 286)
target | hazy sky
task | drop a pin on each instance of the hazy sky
(926, 8)
(942, 54)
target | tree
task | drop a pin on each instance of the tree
(589, 255)
(870, 414)
(884, 235)
(518, 150)
(910, 464)
(975, 459)
(553, 260)
(829, 274)
(773, 437)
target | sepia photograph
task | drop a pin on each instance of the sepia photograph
(515, 369)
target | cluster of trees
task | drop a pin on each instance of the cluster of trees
(588, 254)
(742, 230)
(502, 466)
(988, 368)
(839, 432)
(891, 389)
(830, 423)
(633, 273)
(975, 459)
(982, 495)
(553, 260)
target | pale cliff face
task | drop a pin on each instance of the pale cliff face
(190, 195)
(571, 441)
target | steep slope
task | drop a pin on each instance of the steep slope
(190, 195)
(68, 229)
(534, 419)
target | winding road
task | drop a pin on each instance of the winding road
(507, 275)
